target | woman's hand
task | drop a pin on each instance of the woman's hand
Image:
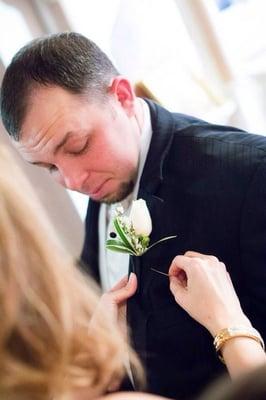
(202, 286)
(114, 301)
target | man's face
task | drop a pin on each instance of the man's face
(89, 147)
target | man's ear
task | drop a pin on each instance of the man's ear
(123, 91)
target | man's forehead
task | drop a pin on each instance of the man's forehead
(47, 107)
(52, 114)
(57, 93)
(23, 150)
(36, 125)
(44, 102)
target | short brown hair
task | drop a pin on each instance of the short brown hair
(68, 60)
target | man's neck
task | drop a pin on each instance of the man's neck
(139, 113)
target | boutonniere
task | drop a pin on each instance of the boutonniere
(132, 232)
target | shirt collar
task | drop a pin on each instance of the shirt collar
(145, 140)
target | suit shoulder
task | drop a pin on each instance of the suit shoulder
(195, 129)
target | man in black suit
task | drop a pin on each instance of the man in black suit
(204, 183)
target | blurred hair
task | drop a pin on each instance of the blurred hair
(68, 60)
(47, 345)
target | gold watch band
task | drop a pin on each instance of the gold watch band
(235, 331)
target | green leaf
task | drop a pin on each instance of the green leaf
(122, 235)
(161, 240)
(119, 248)
(115, 242)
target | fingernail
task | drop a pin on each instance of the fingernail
(131, 275)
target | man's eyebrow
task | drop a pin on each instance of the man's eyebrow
(63, 141)
(57, 147)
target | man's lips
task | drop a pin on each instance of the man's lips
(97, 190)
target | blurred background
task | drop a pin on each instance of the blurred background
(206, 58)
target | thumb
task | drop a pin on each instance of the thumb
(178, 289)
(128, 290)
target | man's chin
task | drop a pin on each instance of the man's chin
(124, 190)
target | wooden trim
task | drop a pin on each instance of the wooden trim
(198, 16)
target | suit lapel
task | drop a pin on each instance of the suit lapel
(152, 177)
(162, 136)
(138, 306)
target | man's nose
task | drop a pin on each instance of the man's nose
(73, 178)
(73, 183)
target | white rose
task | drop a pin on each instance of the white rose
(140, 218)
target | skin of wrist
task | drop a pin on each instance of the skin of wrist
(249, 352)
(238, 341)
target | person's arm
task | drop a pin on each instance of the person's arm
(202, 286)
(131, 396)
(242, 354)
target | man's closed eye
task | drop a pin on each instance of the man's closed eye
(79, 149)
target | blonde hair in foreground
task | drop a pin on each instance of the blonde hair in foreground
(47, 347)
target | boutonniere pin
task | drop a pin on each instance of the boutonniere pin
(132, 232)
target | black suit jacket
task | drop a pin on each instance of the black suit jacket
(206, 184)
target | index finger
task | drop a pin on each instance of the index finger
(195, 254)
(125, 291)
(179, 263)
